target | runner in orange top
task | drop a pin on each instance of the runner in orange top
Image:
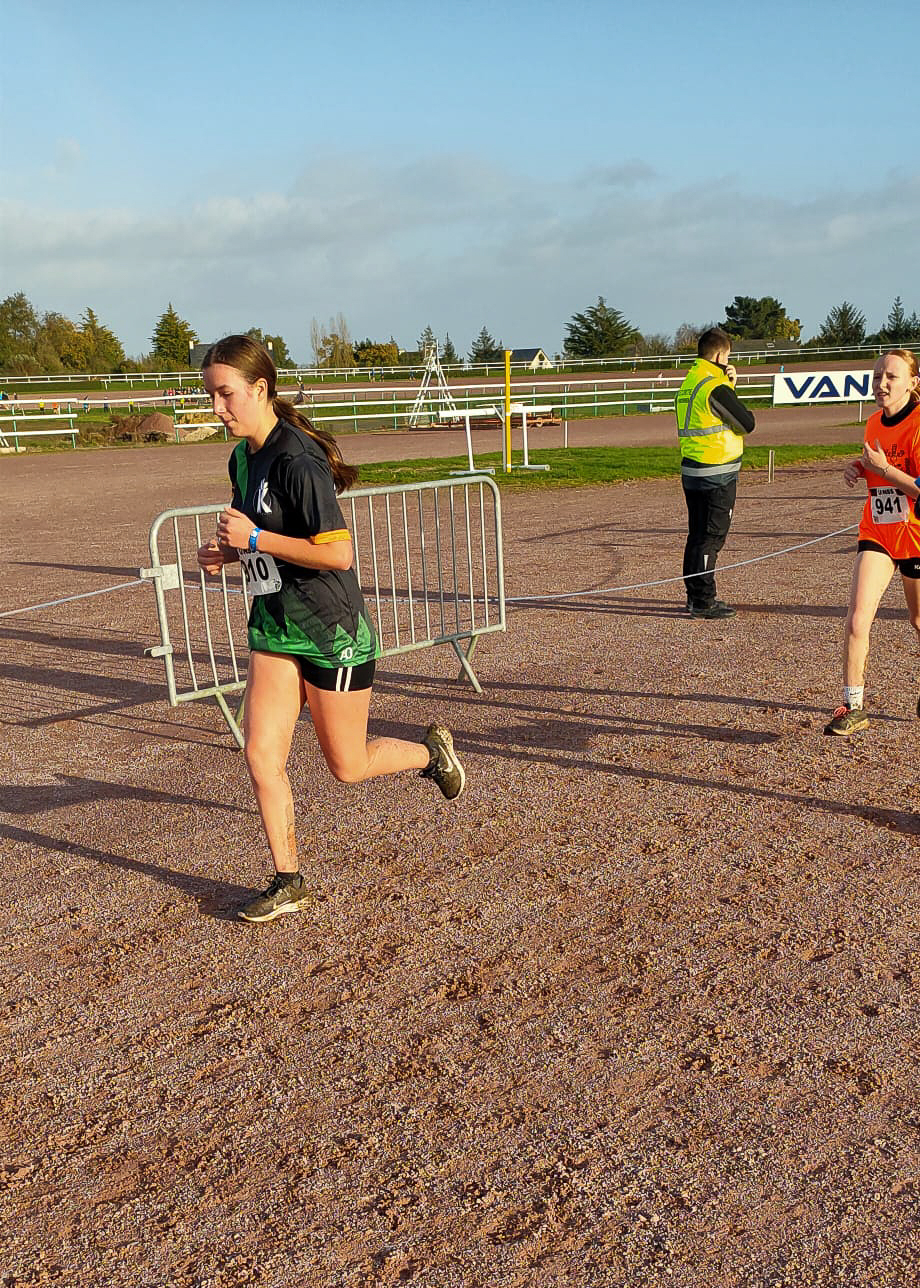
(889, 532)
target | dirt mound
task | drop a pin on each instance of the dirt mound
(143, 429)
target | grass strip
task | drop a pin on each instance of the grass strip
(581, 466)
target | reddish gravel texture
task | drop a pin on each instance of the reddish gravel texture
(639, 1009)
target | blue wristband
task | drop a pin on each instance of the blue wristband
(254, 539)
(917, 483)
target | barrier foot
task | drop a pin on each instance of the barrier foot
(467, 670)
(230, 718)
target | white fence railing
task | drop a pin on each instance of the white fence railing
(363, 374)
(569, 399)
(21, 427)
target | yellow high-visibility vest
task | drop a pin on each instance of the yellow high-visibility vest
(703, 437)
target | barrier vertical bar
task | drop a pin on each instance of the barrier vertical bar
(393, 598)
(405, 516)
(485, 562)
(440, 563)
(423, 553)
(469, 552)
(507, 443)
(204, 606)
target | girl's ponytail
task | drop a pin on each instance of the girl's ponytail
(344, 476)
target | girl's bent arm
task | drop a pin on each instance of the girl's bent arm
(326, 551)
(309, 552)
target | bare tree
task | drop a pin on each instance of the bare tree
(652, 344)
(687, 334)
(332, 346)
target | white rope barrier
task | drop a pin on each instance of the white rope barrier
(89, 594)
(666, 581)
(518, 599)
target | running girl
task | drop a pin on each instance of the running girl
(311, 640)
(889, 533)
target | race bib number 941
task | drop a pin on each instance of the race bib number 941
(261, 573)
(889, 505)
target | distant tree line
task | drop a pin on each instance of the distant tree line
(51, 344)
(602, 332)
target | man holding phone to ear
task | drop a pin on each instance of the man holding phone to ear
(711, 426)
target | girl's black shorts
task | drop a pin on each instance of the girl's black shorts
(909, 568)
(338, 679)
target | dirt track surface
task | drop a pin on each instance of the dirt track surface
(639, 1009)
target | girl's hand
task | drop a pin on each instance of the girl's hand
(873, 458)
(853, 473)
(211, 557)
(233, 528)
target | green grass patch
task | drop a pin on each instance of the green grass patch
(582, 466)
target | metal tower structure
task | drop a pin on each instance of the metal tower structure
(433, 391)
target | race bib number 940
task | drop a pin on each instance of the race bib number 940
(889, 505)
(261, 573)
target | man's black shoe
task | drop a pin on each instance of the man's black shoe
(716, 611)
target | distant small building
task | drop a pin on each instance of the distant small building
(196, 354)
(532, 359)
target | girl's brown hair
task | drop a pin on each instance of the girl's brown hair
(254, 362)
(908, 356)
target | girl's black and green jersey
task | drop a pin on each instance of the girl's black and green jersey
(287, 487)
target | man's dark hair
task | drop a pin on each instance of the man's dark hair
(712, 342)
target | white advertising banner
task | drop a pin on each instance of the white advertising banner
(801, 387)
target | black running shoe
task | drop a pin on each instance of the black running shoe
(445, 769)
(287, 892)
(714, 612)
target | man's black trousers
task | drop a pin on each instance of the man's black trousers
(709, 516)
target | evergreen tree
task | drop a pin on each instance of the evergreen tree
(425, 339)
(449, 355)
(485, 349)
(843, 325)
(896, 326)
(599, 332)
(171, 339)
(103, 348)
(899, 328)
(747, 318)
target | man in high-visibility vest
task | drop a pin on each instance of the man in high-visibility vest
(711, 425)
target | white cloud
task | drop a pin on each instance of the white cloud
(460, 244)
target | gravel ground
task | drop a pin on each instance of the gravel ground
(639, 1009)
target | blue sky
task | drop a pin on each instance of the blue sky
(460, 165)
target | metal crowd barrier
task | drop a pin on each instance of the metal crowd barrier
(428, 556)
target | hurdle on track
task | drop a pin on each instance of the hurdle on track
(428, 557)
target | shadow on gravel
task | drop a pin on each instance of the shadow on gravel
(70, 790)
(671, 608)
(571, 732)
(391, 682)
(396, 684)
(130, 692)
(67, 567)
(893, 820)
(216, 899)
(542, 737)
(76, 643)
